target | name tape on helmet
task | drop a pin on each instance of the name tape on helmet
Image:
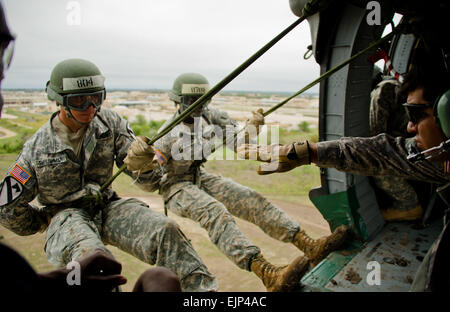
(194, 88)
(80, 83)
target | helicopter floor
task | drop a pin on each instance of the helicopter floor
(389, 262)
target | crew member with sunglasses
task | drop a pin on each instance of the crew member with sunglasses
(428, 109)
(64, 164)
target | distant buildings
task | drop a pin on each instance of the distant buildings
(130, 103)
(158, 106)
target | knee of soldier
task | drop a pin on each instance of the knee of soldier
(170, 225)
(158, 279)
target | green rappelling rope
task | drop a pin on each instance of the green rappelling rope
(310, 8)
(316, 81)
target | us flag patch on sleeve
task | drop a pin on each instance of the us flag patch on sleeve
(20, 174)
(160, 157)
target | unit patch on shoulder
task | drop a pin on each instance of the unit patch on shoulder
(10, 189)
(20, 174)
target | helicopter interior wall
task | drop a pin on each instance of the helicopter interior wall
(344, 97)
(344, 106)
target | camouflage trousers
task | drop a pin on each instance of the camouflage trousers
(400, 195)
(133, 227)
(213, 204)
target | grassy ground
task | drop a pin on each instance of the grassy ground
(25, 125)
(289, 191)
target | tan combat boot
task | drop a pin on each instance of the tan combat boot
(317, 249)
(285, 278)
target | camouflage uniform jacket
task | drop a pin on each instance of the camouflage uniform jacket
(58, 178)
(191, 147)
(377, 156)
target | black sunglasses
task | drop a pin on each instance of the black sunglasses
(416, 112)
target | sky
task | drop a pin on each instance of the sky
(146, 44)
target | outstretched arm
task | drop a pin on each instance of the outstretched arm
(379, 155)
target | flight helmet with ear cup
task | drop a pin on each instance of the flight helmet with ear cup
(442, 112)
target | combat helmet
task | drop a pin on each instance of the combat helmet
(75, 79)
(187, 88)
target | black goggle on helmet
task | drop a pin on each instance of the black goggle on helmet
(79, 101)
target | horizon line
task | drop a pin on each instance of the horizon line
(167, 90)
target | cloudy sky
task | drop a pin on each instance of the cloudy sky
(145, 44)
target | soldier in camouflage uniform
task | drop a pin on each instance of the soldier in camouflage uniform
(64, 164)
(190, 191)
(428, 108)
(388, 116)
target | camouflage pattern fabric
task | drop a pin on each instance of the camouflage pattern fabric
(381, 155)
(133, 227)
(206, 132)
(433, 273)
(214, 125)
(60, 182)
(420, 279)
(189, 191)
(399, 194)
(387, 115)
